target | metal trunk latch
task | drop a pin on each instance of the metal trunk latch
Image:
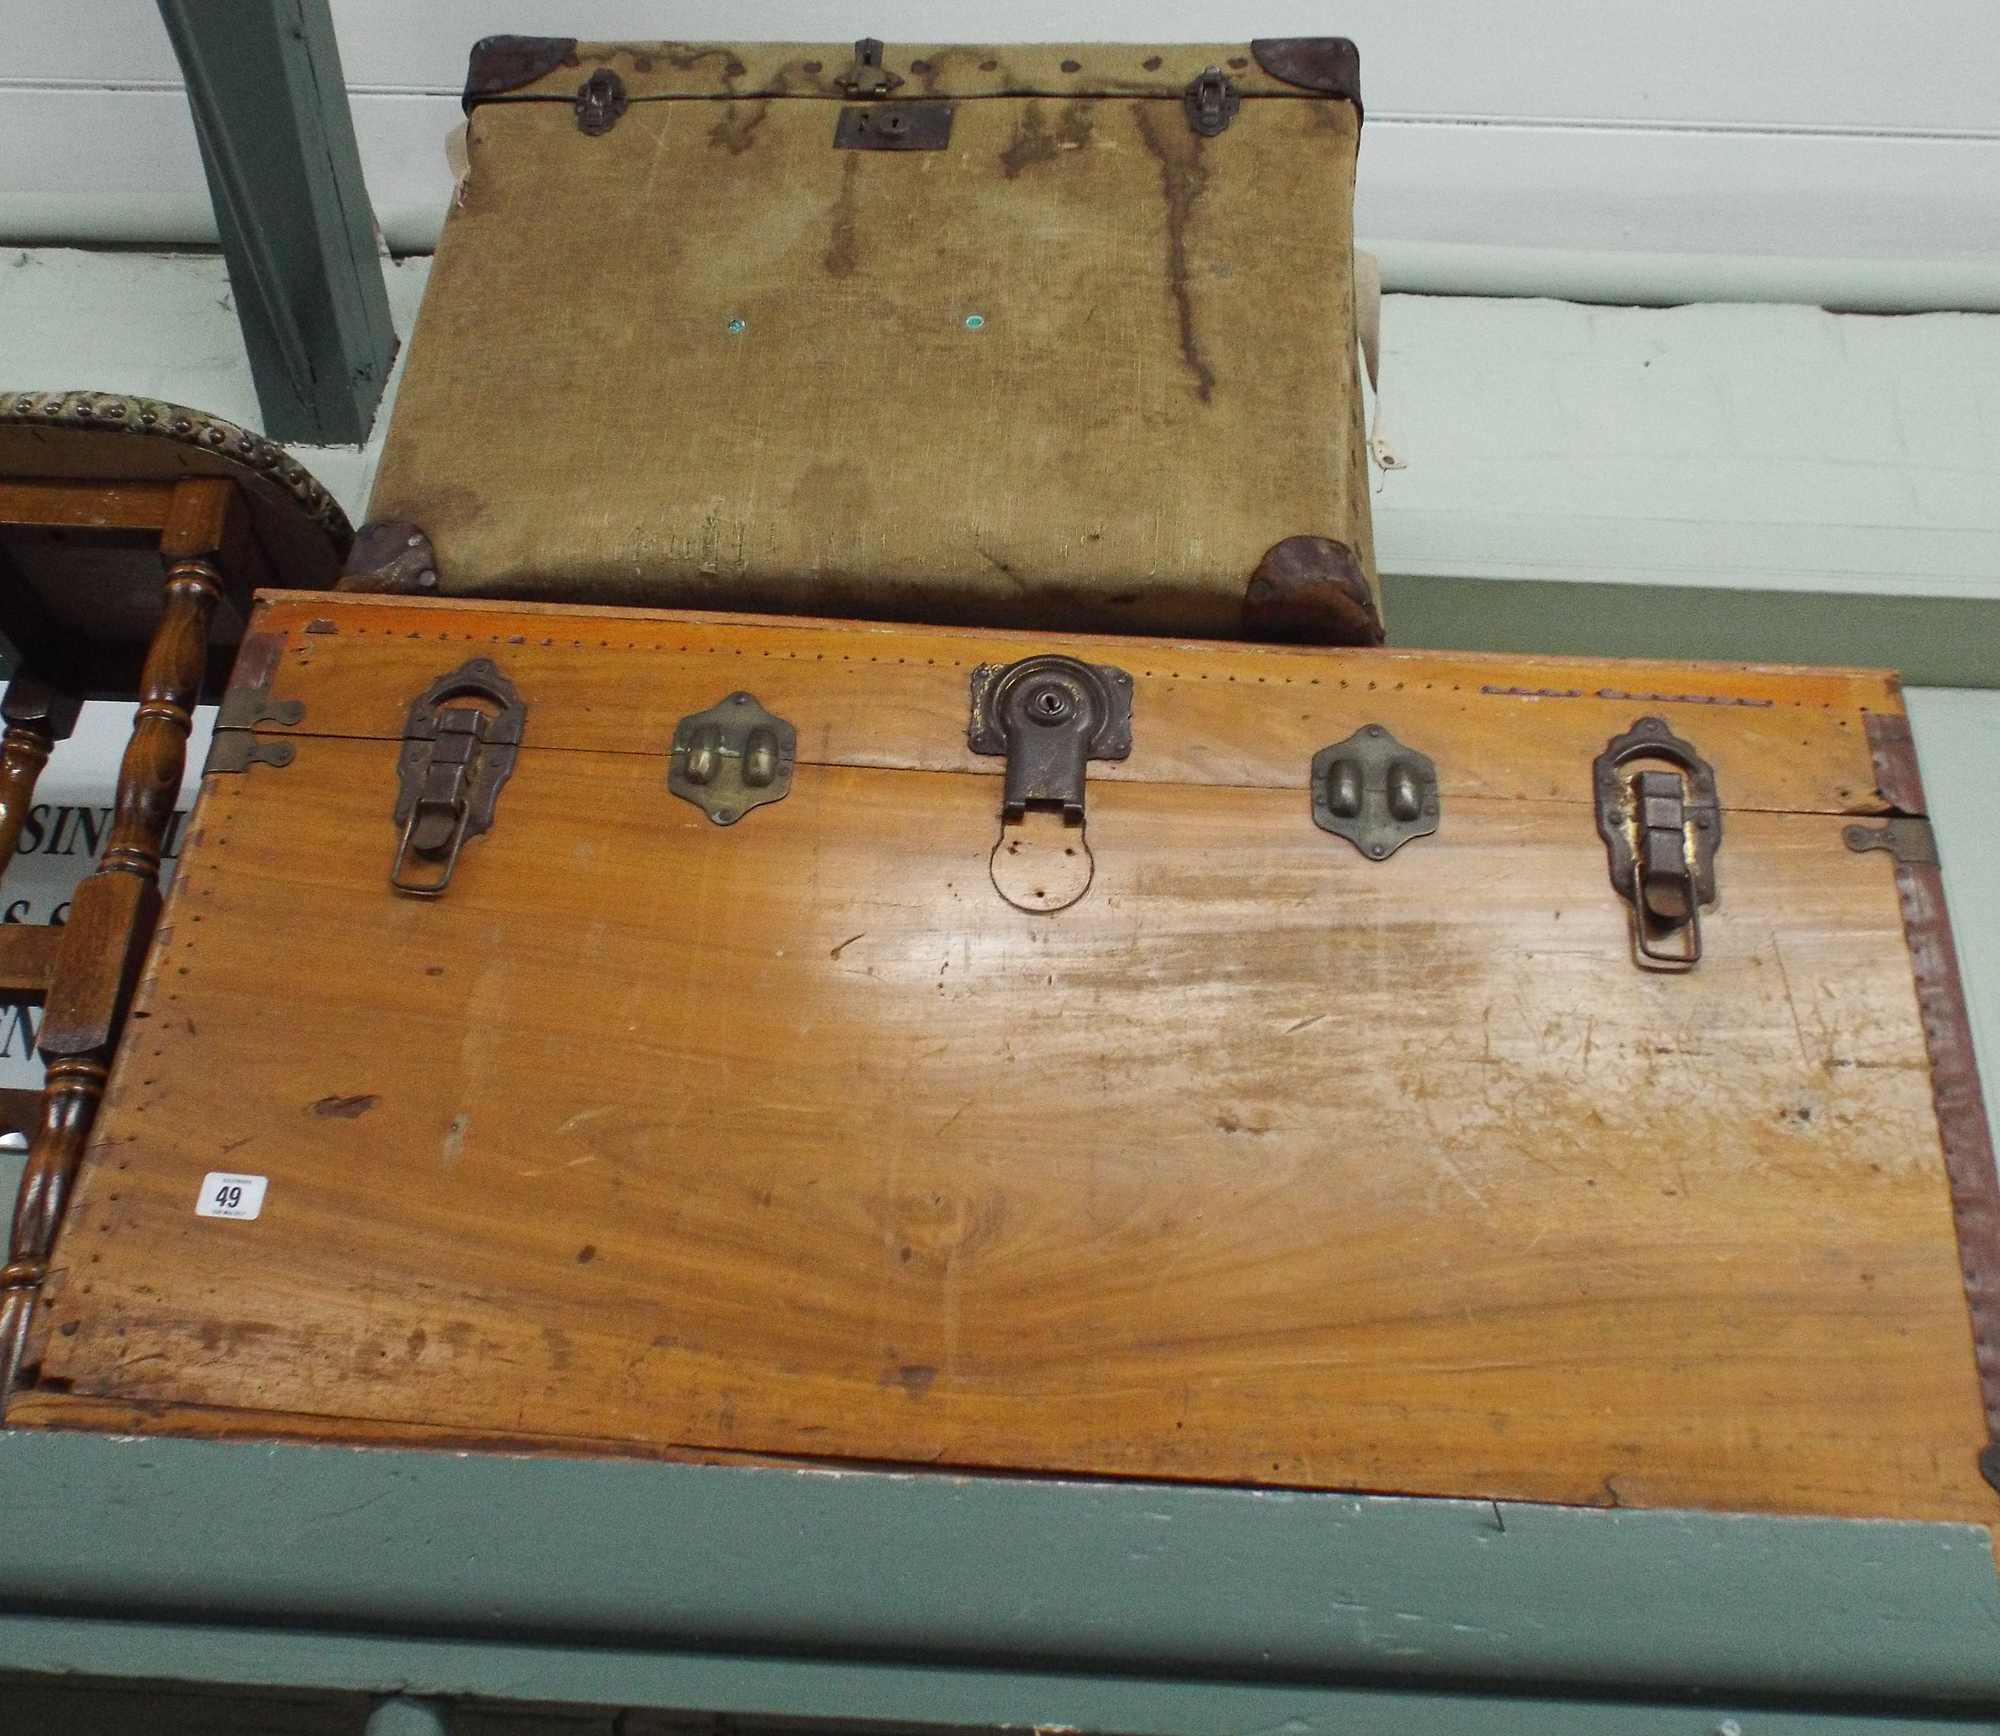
(454, 760)
(600, 102)
(1050, 715)
(1211, 102)
(731, 758)
(1662, 829)
(868, 76)
(1373, 791)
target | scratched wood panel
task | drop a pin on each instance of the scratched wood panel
(1204, 713)
(1262, 1163)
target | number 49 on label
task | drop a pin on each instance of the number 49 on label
(230, 1196)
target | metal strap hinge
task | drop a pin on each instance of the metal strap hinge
(1906, 837)
(243, 709)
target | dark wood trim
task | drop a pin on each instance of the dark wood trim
(1961, 1109)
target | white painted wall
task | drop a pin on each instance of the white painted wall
(1777, 448)
(164, 325)
(1844, 151)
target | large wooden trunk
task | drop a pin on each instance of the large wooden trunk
(1084, 358)
(1364, 1157)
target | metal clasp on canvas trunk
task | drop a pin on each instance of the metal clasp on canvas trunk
(600, 102)
(731, 758)
(1211, 102)
(893, 126)
(454, 760)
(1050, 715)
(1662, 829)
(868, 76)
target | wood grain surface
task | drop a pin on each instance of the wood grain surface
(868, 694)
(1261, 1163)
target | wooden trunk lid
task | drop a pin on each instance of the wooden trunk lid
(1263, 1162)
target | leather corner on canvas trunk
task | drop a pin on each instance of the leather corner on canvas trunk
(1330, 65)
(390, 556)
(499, 64)
(1310, 590)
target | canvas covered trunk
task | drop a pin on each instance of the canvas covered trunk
(833, 1042)
(1030, 336)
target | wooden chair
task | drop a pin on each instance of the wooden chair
(132, 534)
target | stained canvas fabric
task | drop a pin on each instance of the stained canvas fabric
(1083, 367)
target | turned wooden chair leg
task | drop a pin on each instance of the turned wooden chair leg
(113, 913)
(37, 715)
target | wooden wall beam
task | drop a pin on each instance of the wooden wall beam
(277, 144)
(973, 1601)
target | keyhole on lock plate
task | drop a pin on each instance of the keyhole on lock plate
(1042, 862)
(1050, 704)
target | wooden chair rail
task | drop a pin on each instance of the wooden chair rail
(27, 962)
(86, 505)
(20, 1111)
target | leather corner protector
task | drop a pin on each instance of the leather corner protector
(1310, 590)
(392, 557)
(1330, 65)
(499, 64)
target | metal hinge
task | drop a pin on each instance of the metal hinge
(1662, 829)
(731, 758)
(233, 748)
(1373, 791)
(1211, 102)
(1050, 715)
(1907, 838)
(454, 760)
